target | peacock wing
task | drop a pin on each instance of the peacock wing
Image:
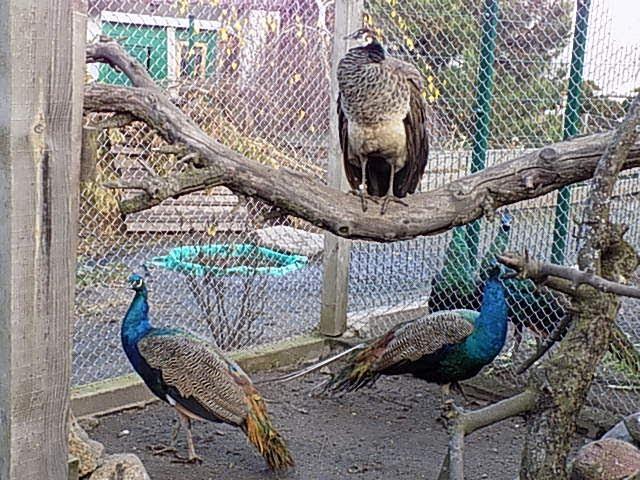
(352, 171)
(196, 376)
(415, 126)
(426, 335)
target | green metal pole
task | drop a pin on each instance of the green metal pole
(484, 88)
(571, 126)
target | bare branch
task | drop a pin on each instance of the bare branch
(540, 271)
(108, 51)
(595, 226)
(464, 422)
(457, 203)
(549, 342)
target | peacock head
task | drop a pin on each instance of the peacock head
(136, 282)
(365, 35)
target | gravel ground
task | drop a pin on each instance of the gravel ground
(389, 432)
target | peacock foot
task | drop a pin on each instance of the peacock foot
(161, 449)
(390, 198)
(364, 197)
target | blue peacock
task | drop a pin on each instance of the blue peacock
(444, 347)
(197, 380)
(540, 310)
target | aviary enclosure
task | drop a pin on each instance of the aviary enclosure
(502, 78)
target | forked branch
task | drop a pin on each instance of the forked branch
(528, 176)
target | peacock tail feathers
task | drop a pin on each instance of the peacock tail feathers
(262, 434)
(359, 371)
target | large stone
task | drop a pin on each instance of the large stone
(619, 432)
(123, 466)
(632, 422)
(606, 459)
(88, 452)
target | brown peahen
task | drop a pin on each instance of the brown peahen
(382, 121)
(198, 381)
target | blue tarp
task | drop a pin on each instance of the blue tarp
(183, 259)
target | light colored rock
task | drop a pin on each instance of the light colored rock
(619, 432)
(632, 422)
(123, 466)
(290, 240)
(88, 452)
(607, 459)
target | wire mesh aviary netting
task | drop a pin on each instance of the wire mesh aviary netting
(501, 77)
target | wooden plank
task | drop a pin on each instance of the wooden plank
(41, 89)
(335, 287)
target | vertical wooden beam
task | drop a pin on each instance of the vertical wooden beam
(41, 80)
(335, 287)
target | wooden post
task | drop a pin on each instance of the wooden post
(335, 287)
(41, 88)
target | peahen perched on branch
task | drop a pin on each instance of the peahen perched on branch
(381, 121)
(540, 310)
(197, 380)
(443, 347)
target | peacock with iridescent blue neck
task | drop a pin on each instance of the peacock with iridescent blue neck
(443, 347)
(197, 380)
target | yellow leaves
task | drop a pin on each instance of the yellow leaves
(394, 13)
(408, 41)
(214, 3)
(301, 114)
(295, 78)
(183, 7)
(367, 20)
(432, 92)
(237, 26)
(393, 3)
(115, 136)
(272, 23)
(234, 65)
(224, 34)
(212, 230)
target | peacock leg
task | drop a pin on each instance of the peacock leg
(171, 448)
(191, 451)
(390, 196)
(361, 191)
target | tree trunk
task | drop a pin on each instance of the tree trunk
(565, 378)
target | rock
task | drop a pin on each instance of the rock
(632, 422)
(606, 459)
(88, 452)
(290, 240)
(619, 432)
(123, 466)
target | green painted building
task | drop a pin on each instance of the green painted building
(171, 48)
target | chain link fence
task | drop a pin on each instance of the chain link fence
(500, 78)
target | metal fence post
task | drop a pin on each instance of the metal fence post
(571, 126)
(335, 285)
(42, 70)
(484, 91)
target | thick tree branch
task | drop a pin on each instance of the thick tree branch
(595, 228)
(563, 379)
(457, 203)
(540, 272)
(110, 52)
(464, 422)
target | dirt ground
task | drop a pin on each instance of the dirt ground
(388, 432)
